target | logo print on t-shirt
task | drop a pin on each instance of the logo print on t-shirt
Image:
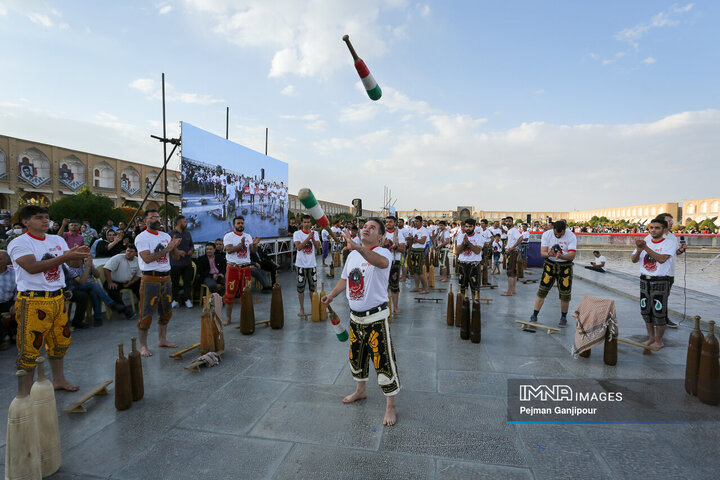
(242, 253)
(649, 263)
(357, 284)
(159, 248)
(52, 275)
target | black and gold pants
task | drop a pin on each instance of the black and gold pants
(415, 261)
(469, 274)
(654, 293)
(562, 272)
(370, 338)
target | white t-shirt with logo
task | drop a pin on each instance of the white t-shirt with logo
(526, 236)
(242, 256)
(468, 255)
(366, 284)
(306, 257)
(567, 243)
(442, 236)
(497, 246)
(485, 234)
(496, 231)
(400, 240)
(153, 242)
(652, 268)
(513, 236)
(42, 249)
(419, 233)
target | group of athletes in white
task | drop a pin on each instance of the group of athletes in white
(380, 254)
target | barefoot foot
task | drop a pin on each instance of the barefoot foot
(225, 324)
(505, 294)
(390, 416)
(145, 352)
(649, 341)
(354, 397)
(166, 344)
(657, 345)
(65, 385)
(414, 290)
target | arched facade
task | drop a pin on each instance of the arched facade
(72, 172)
(103, 176)
(3, 165)
(34, 167)
(130, 181)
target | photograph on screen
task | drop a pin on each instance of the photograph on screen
(222, 180)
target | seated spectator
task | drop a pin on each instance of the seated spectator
(89, 230)
(122, 271)
(80, 299)
(211, 268)
(82, 274)
(111, 245)
(7, 300)
(266, 263)
(219, 247)
(597, 263)
(72, 237)
(256, 271)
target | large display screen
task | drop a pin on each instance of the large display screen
(222, 180)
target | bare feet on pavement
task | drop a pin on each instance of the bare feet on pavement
(166, 344)
(65, 385)
(354, 397)
(390, 416)
(145, 351)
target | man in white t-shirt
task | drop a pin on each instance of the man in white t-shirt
(404, 229)
(366, 275)
(40, 304)
(443, 241)
(417, 238)
(395, 242)
(512, 250)
(468, 250)
(487, 252)
(597, 263)
(558, 247)
(656, 256)
(325, 237)
(681, 249)
(238, 244)
(154, 249)
(307, 243)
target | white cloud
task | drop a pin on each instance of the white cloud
(289, 91)
(304, 37)
(312, 121)
(164, 9)
(425, 11)
(153, 91)
(361, 112)
(40, 19)
(649, 60)
(38, 12)
(460, 149)
(633, 34)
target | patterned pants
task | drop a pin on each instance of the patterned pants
(415, 261)
(512, 263)
(155, 296)
(370, 337)
(469, 274)
(654, 292)
(394, 282)
(560, 271)
(40, 320)
(442, 256)
(306, 276)
(236, 278)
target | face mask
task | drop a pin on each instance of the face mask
(17, 231)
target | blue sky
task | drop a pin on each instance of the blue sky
(501, 105)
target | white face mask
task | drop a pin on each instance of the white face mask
(17, 231)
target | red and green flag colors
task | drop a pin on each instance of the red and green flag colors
(340, 331)
(309, 201)
(371, 86)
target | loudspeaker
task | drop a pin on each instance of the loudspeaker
(262, 173)
(529, 218)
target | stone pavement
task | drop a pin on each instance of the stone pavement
(272, 408)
